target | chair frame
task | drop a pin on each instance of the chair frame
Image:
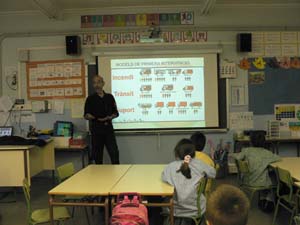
(30, 221)
(284, 177)
(242, 168)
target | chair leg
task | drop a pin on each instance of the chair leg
(275, 213)
(73, 211)
(292, 216)
(251, 196)
(87, 215)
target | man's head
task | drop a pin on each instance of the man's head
(98, 83)
(198, 140)
(258, 139)
(227, 205)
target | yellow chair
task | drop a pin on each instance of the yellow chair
(200, 216)
(201, 190)
(290, 200)
(243, 169)
(64, 172)
(39, 216)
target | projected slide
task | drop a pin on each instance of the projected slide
(159, 92)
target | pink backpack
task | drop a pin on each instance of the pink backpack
(129, 211)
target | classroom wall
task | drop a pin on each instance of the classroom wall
(46, 42)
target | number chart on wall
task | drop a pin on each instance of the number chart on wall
(55, 79)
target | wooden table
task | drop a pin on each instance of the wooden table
(292, 164)
(83, 149)
(146, 180)
(93, 180)
(24, 161)
(275, 142)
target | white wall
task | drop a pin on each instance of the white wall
(45, 40)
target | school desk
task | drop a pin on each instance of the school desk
(24, 161)
(83, 149)
(93, 180)
(292, 164)
(274, 142)
(146, 180)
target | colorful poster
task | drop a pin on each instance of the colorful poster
(130, 20)
(166, 36)
(137, 37)
(128, 38)
(164, 19)
(256, 77)
(188, 36)
(115, 38)
(201, 36)
(102, 39)
(108, 20)
(152, 19)
(86, 21)
(176, 36)
(187, 18)
(88, 39)
(141, 20)
(174, 19)
(120, 20)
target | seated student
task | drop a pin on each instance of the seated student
(227, 205)
(184, 174)
(258, 159)
(199, 141)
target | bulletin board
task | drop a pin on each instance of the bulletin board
(272, 86)
(55, 79)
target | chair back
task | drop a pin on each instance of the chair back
(284, 178)
(242, 169)
(26, 190)
(65, 171)
(200, 191)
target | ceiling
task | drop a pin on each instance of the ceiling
(29, 5)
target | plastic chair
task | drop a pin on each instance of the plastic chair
(200, 216)
(201, 190)
(39, 216)
(288, 201)
(64, 172)
(297, 220)
(243, 169)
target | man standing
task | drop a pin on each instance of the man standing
(100, 109)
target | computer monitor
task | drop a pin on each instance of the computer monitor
(63, 128)
(6, 131)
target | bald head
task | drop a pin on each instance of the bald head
(98, 83)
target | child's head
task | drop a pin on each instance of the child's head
(227, 205)
(184, 150)
(257, 139)
(198, 140)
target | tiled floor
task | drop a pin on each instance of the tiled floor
(15, 213)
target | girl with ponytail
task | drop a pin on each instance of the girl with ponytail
(184, 174)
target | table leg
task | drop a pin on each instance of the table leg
(106, 211)
(53, 177)
(51, 209)
(82, 157)
(277, 148)
(171, 211)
